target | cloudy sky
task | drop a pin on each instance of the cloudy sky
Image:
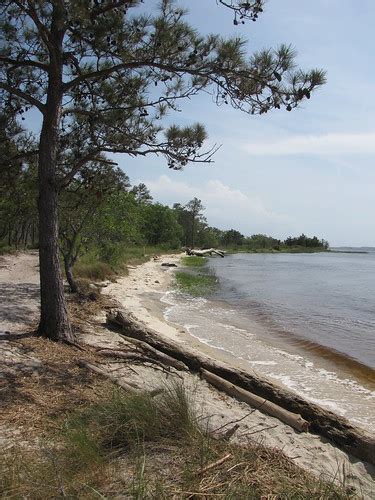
(311, 170)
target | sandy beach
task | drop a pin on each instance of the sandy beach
(140, 293)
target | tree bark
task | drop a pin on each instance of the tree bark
(293, 419)
(54, 323)
(69, 275)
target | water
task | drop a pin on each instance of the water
(305, 320)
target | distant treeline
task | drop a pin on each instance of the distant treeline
(102, 216)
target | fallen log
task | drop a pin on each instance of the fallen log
(292, 419)
(207, 251)
(339, 430)
(163, 358)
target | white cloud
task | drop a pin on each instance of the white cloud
(328, 144)
(225, 206)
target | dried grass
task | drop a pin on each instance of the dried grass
(35, 403)
(168, 464)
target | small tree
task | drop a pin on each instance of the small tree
(103, 79)
(194, 209)
(232, 237)
(78, 205)
(159, 225)
(141, 193)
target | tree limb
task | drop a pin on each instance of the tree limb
(26, 97)
(25, 62)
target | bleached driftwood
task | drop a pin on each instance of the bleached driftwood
(207, 251)
(129, 387)
(105, 373)
(339, 430)
(292, 419)
(153, 357)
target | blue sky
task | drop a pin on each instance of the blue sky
(311, 170)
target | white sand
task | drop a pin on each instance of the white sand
(19, 292)
(137, 292)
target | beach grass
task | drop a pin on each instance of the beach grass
(193, 261)
(197, 285)
(138, 446)
(100, 265)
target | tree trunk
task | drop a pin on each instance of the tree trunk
(54, 323)
(33, 235)
(69, 275)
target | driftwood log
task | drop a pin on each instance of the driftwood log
(159, 356)
(203, 253)
(261, 404)
(129, 387)
(105, 373)
(339, 430)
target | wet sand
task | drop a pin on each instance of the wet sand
(140, 294)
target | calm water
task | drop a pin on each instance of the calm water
(306, 320)
(328, 299)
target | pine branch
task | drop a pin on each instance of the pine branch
(26, 97)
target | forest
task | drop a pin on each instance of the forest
(104, 221)
(102, 77)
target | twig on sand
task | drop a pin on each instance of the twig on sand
(259, 430)
(234, 421)
(214, 464)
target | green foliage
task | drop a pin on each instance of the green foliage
(124, 70)
(192, 221)
(18, 193)
(94, 270)
(232, 237)
(92, 266)
(124, 421)
(6, 249)
(197, 285)
(261, 243)
(193, 261)
(141, 193)
(159, 225)
(305, 241)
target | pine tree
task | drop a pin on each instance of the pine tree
(103, 79)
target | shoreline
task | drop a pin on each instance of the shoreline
(141, 293)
